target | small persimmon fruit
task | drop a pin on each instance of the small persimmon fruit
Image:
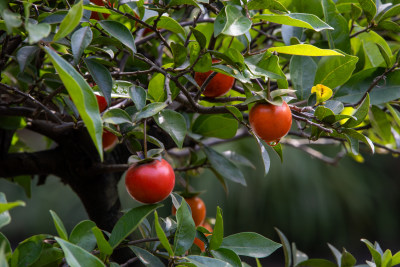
(150, 182)
(200, 243)
(109, 140)
(270, 122)
(198, 209)
(101, 100)
(219, 85)
(95, 15)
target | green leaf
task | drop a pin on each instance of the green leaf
(82, 96)
(83, 236)
(389, 12)
(28, 251)
(201, 261)
(381, 124)
(12, 20)
(183, 2)
(156, 88)
(218, 232)
(308, 21)
(369, 8)
(298, 256)
(80, 40)
(120, 32)
(356, 135)
(286, 248)
(317, 263)
(161, 235)
(138, 96)
(167, 23)
(396, 259)
(235, 112)
(259, 66)
(76, 256)
(230, 21)
(394, 113)
(146, 257)
(339, 37)
(385, 55)
(102, 78)
(179, 53)
(25, 55)
(5, 206)
(250, 244)
(71, 20)
(173, 123)
(302, 74)
(336, 253)
(102, 243)
(355, 88)
(129, 222)
(5, 243)
(228, 256)
(360, 114)
(37, 31)
(150, 110)
(304, 50)
(200, 38)
(266, 4)
(347, 260)
(223, 166)
(203, 64)
(335, 71)
(62, 232)
(376, 256)
(185, 229)
(264, 155)
(116, 116)
(221, 126)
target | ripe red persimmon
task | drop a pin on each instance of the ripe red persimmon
(150, 182)
(270, 122)
(198, 208)
(109, 140)
(219, 85)
(95, 15)
(101, 100)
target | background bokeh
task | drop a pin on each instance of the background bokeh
(311, 202)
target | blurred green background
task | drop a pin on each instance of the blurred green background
(311, 202)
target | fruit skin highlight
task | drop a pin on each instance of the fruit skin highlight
(219, 85)
(150, 182)
(270, 122)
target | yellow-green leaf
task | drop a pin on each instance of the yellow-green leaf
(304, 50)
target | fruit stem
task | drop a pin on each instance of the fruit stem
(269, 89)
(145, 138)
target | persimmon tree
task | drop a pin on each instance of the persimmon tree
(335, 63)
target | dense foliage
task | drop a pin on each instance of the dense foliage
(81, 73)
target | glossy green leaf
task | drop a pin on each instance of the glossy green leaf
(304, 50)
(264, 154)
(308, 21)
(116, 116)
(129, 222)
(336, 253)
(201, 261)
(317, 263)
(102, 77)
(298, 256)
(389, 12)
(138, 96)
(80, 40)
(76, 256)
(161, 235)
(218, 232)
(156, 88)
(355, 88)
(266, 4)
(146, 257)
(167, 23)
(183, 2)
(250, 244)
(173, 123)
(287, 251)
(302, 74)
(62, 232)
(360, 114)
(347, 260)
(120, 32)
(381, 124)
(11, 19)
(259, 66)
(385, 55)
(228, 256)
(150, 110)
(4, 207)
(28, 251)
(396, 259)
(230, 21)
(185, 229)
(395, 114)
(83, 236)
(203, 64)
(5, 243)
(224, 166)
(200, 38)
(339, 37)
(369, 8)
(71, 20)
(376, 256)
(82, 96)
(102, 243)
(37, 31)
(235, 112)
(179, 53)
(356, 135)
(335, 71)
(220, 126)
